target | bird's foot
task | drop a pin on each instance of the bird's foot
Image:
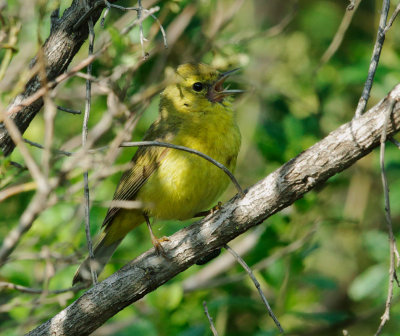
(157, 245)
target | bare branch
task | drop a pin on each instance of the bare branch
(338, 38)
(66, 109)
(88, 102)
(394, 253)
(35, 144)
(392, 18)
(380, 38)
(212, 327)
(395, 142)
(24, 289)
(16, 190)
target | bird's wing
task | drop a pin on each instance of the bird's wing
(145, 162)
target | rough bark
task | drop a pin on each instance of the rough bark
(340, 149)
(58, 51)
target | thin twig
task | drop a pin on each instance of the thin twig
(392, 18)
(212, 327)
(49, 115)
(257, 284)
(140, 10)
(141, 34)
(103, 19)
(18, 165)
(394, 254)
(395, 142)
(145, 14)
(65, 109)
(189, 150)
(16, 189)
(163, 33)
(109, 6)
(338, 38)
(84, 140)
(37, 145)
(380, 38)
(29, 290)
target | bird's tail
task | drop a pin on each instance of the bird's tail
(102, 253)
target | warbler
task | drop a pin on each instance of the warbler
(195, 111)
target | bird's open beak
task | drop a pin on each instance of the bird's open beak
(216, 93)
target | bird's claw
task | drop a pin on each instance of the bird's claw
(158, 247)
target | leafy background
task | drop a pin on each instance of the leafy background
(334, 277)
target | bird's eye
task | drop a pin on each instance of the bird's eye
(197, 86)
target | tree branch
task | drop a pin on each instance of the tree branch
(336, 152)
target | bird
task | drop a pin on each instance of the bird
(195, 111)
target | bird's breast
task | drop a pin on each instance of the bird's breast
(184, 183)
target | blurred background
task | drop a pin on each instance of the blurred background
(322, 263)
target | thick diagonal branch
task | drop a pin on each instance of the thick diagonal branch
(336, 152)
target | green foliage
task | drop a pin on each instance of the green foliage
(317, 283)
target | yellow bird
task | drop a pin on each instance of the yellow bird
(194, 112)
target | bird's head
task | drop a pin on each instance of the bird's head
(198, 87)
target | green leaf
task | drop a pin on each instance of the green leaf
(369, 284)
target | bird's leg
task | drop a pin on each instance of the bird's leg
(207, 212)
(156, 242)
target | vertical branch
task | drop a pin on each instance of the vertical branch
(84, 140)
(380, 38)
(49, 115)
(49, 109)
(394, 254)
(142, 38)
